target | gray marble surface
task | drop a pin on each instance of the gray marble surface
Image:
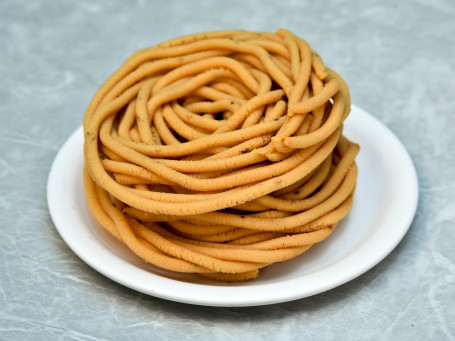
(398, 59)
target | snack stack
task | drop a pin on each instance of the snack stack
(220, 153)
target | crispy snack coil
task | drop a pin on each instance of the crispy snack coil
(220, 153)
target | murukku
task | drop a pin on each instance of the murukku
(220, 153)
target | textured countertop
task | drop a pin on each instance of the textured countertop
(396, 56)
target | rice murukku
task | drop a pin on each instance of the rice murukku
(220, 153)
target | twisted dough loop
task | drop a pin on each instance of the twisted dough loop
(220, 153)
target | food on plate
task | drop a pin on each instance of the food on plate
(220, 153)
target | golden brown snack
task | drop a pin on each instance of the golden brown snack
(220, 153)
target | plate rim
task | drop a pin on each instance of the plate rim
(170, 289)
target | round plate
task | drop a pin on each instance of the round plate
(384, 206)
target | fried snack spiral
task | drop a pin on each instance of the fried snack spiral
(220, 153)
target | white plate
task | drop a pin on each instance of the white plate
(384, 206)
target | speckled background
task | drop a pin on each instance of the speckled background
(396, 56)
